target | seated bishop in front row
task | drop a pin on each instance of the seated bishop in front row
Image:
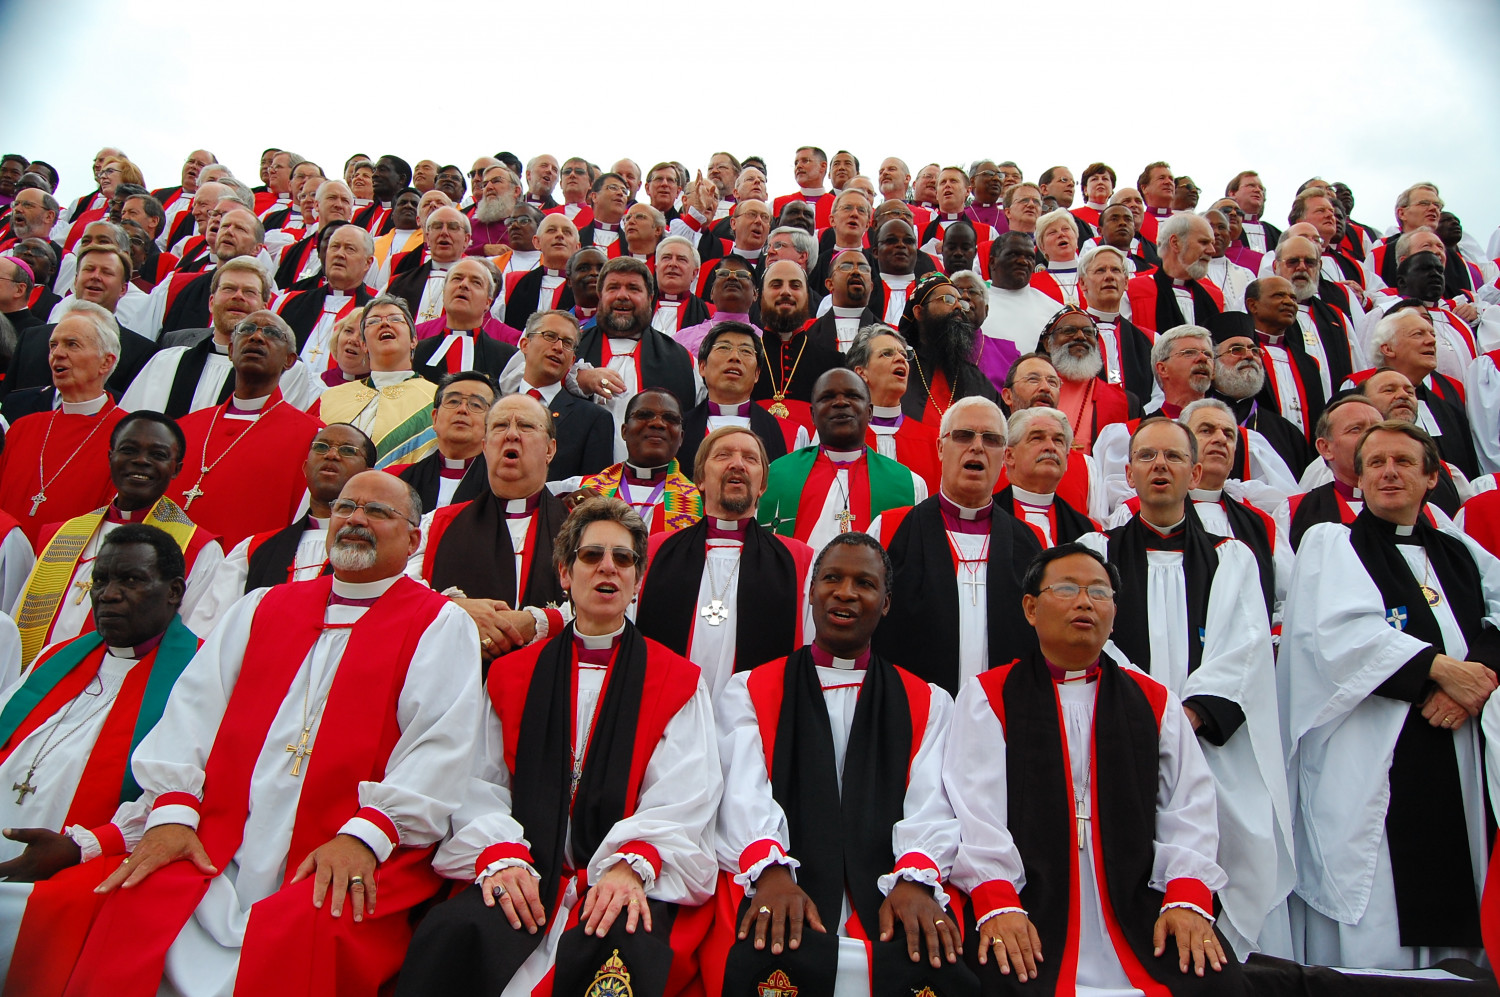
(835, 834)
(66, 736)
(307, 759)
(748, 603)
(1086, 810)
(589, 817)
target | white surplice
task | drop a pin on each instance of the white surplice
(152, 387)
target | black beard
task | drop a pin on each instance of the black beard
(632, 323)
(950, 344)
(781, 324)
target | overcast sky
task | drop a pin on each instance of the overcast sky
(1377, 93)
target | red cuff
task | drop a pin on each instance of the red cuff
(758, 852)
(1189, 891)
(997, 894)
(380, 820)
(644, 850)
(111, 841)
(555, 622)
(178, 800)
(691, 222)
(503, 850)
(915, 860)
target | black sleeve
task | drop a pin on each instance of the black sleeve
(1411, 682)
(1486, 648)
(1221, 717)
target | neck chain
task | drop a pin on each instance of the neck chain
(41, 471)
(204, 467)
(1429, 593)
(1083, 405)
(300, 750)
(48, 746)
(942, 409)
(716, 612)
(778, 394)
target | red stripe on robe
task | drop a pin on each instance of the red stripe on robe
(1072, 489)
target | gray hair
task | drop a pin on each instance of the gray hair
(392, 301)
(468, 225)
(1403, 241)
(489, 268)
(858, 354)
(953, 277)
(677, 240)
(1403, 199)
(1057, 216)
(1385, 331)
(239, 193)
(1211, 403)
(965, 404)
(116, 233)
(656, 216)
(327, 184)
(106, 329)
(1085, 262)
(1177, 226)
(1162, 348)
(1021, 420)
(806, 244)
(534, 321)
(974, 166)
(292, 159)
(49, 203)
(283, 331)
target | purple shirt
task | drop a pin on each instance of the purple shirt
(990, 214)
(994, 358)
(492, 327)
(486, 234)
(692, 337)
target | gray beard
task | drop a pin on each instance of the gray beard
(619, 322)
(1071, 368)
(1304, 289)
(1197, 271)
(493, 209)
(1238, 384)
(352, 557)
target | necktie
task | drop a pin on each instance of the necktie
(535, 394)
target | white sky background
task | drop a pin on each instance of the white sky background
(1377, 93)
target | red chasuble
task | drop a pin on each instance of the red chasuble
(72, 471)
(290, 947)
(258, 485)
(916, 447)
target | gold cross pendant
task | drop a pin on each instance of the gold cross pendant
(845, 519)
(299, 751)
(83, 585)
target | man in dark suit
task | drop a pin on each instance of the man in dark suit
(730, 365)
(585, 432)
(456, 471)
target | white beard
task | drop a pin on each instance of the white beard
(493, 208)
(1071, 368)
(1238, 383)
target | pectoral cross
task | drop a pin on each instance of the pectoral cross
(24, 786)
(845, 520)
(83, 585)
(973, 583)
(299, 751)
(1083, 820)
(37, 500)
(715, 612)
(192, 493)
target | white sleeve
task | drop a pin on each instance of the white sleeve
(156, 310)
(928, 828)
(227, 586)
(414, 563)
(1111, 454)
(752, 828)
(974, 773)
(198, 603)
(1187, 823)
(10, 655)
(1098, 504)
(483, 819)
(16, 562)
(1482, 400)
(1270, 479)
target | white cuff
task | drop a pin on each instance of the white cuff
(1000, 910)
(926, 877)
(542, 631)
(1191, 907)
(638, 864)
(87, 842)
(500, 865)
(173, 813)
(747, 878)
(374, 837)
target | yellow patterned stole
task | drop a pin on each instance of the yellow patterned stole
(54, 569)
(682, 503)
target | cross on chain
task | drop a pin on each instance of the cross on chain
(845, 520)
(299, 751)
(25, 787)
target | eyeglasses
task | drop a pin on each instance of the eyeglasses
(268, 331)
(391, 320)
(1239, 352)
(1307, 262)
(725, 273)
(321, 447)
(575, 171)
(965, 437)
(1070, 590)
(1192, 354)
(947, 298)
(1428, 204)
(553, 339)
(593, 554)
(614, 188)
(1149, 455)
(986, 174)
(850, 267)
(475, 404)
(741, 350)
(651, 415)
(1037, 201)
(376, 512)
(1032, 380)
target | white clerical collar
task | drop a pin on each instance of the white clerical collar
(598, 642)
(731, 525)
(885, 411)
(964, 512)
(1101, 314)
(1097, 207)
(517, 507)
(848, 311)
(746, 254)
(1404, 531)
(92, 407)
(249, 404)
(456, 463)
(548, 392)
(386, 378)
(1063, 266)
(1214, 495)
(439, 267)
(316, 525)
(645, 473)
(812, 191)
(222, 349)
(843, 456)
(1165, 531)
(1030, 498)
(363, 590)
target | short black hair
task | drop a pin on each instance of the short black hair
(512, 162)
(723, 329)
(15, 157)
(403, 168)
(51, 170)
(146, 415)
(1010, 375)
(1031, 582)
(460, 376)
(170, 563)
(365, 443)
(856, 539)
(635, 399)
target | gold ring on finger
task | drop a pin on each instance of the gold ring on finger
(1208, 941)
(938, 922)
(764, 910)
